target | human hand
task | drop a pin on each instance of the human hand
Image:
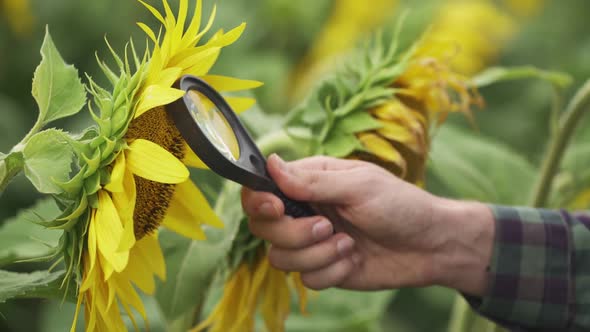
(389, 233)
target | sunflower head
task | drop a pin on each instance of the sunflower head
(381, 105)
(469, 34)
(133, 176)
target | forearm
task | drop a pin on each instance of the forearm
(463, 257)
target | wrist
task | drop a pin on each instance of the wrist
(462, 259)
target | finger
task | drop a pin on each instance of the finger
(330, 276)
(262, 205)
(311, 185)
(324, 163)
(314, 257)
(290, 233)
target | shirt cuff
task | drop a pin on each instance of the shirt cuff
(530, 275)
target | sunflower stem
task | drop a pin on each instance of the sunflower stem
(558, 144)
(279, 141)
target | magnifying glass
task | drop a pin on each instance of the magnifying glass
(214, 132)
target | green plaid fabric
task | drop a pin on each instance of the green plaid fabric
(540, 271)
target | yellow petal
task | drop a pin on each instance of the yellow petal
(148, 31)
(78, 305)
(240, 104)
(193, 28)
(125, 203)
(188, 209)
(146, 260)
(169, 75)
(224, 83)
(109, 231)
(152, 162)
(396, 132)
(154, 11)
(230, 37)
(381, 148)
(191, 159)
(116, 181)
(92, 240)
(203, 67)
(179, 29)
(199, 63)
(149, 246)
(157, 95)
(127, 295)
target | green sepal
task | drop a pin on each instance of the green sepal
(56, 86)
(107, 148)
(48, 157)
(73, 187)
(110, 158)
(70, 218)
(341, 144)
(93, 201)
(92, 183)
(357, 122)
(92, 162)
(501, 74)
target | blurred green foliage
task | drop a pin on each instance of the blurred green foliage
(512, 130)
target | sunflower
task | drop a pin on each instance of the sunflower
(253, 286)
(18, 15)
(349, 22)
(525, 8)
(144, 183)
(427, 91)
(477, 30)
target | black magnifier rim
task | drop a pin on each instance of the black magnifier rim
(250, 168)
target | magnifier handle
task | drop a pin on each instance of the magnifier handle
(294, 208)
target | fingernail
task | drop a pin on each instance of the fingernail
(267, 209)
(344, 246)
(321, 230)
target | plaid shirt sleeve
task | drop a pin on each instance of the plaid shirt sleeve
(540, 271)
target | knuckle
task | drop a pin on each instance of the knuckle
(311, 282)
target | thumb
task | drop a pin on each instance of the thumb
(317, 179)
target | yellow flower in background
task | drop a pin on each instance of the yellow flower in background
(476, 30)
(149, 183)
(428, 91)
(525, 8)
(255, 286)
(349, 22)
(18, 15)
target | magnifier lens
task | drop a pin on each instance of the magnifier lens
(214, 125)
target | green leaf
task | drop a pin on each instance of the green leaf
(22, 239)
(341, 144)
(48, 158)
(357, 122)
(336, 310)
(192, 265)
(40, 284)
(56, 86)
(10, 166)
(470, 166)
(499, 74)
